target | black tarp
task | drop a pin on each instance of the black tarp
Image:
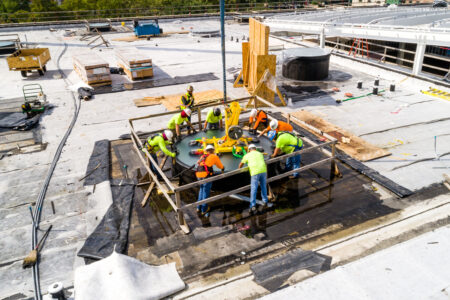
(17, 121)
(98, 166)
(112, 232)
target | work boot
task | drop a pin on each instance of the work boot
(252, 210)
(294, 177)
(206, 213)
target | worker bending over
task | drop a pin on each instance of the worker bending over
(277, 126)
(187, 100)
(257, 117)
(156, 143)
(204, 170)
(213, 119)
(286, 143)
(258, 172)
(177, 120)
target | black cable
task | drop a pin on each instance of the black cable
(42, 193)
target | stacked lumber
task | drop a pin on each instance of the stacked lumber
(92, 69)
(134, 63)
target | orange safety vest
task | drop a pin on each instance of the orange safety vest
(202, 168)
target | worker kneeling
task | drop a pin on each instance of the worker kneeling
(257, 117)
(287, 142)
(158, 142)
(278, 126)
(177, 120)
(204, 170)
(213, 119)
(258, 172)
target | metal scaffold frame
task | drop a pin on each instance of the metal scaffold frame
(173, 193)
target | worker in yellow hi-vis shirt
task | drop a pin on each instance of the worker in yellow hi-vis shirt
(258, 172)
(213, 119)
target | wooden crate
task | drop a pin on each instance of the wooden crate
(28, 59)
(134, 63)
(92, 69)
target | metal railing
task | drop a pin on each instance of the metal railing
(168, 189)
(383, 56)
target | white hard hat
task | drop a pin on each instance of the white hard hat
(253, 113)
(251, 146)
(168, 134)
(187, 111)
(209, 147)
(274, 124)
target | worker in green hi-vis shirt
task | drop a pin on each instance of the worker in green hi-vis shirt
(258, 172)
(213, 119)
(287, 142)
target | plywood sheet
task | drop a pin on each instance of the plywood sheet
(263, 63)
(171, 102)
(353, 145)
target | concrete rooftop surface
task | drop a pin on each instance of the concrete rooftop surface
(389, 242)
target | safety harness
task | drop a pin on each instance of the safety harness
(202, 167)
(187, 100)
(147, 144)
(296, 147)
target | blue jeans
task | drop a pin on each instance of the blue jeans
(292, 163)
(152, 167)
(212, 125)
(203, 193)
(260, 179)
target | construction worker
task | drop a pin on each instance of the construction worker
(177, 120)
(204, 170)
(187, 100)
(158, 142)
(277, 126)
(258, 172)
(288, 142)
(213, 119)
(257, 117)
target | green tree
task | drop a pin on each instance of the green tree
(11, 6)
(44, 5)
(72, 5)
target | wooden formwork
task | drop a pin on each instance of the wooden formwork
(172, 192)
(256, 61)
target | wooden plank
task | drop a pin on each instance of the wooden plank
(353, 145)
(245, 62)
(15, 145)
(171, 102)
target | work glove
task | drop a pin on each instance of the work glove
(205, 130)
(223, 170)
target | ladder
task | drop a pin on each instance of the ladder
(358, 47)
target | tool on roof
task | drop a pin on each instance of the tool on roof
(35, 100)
(436, 93)
(32, 257)
(357, 97)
